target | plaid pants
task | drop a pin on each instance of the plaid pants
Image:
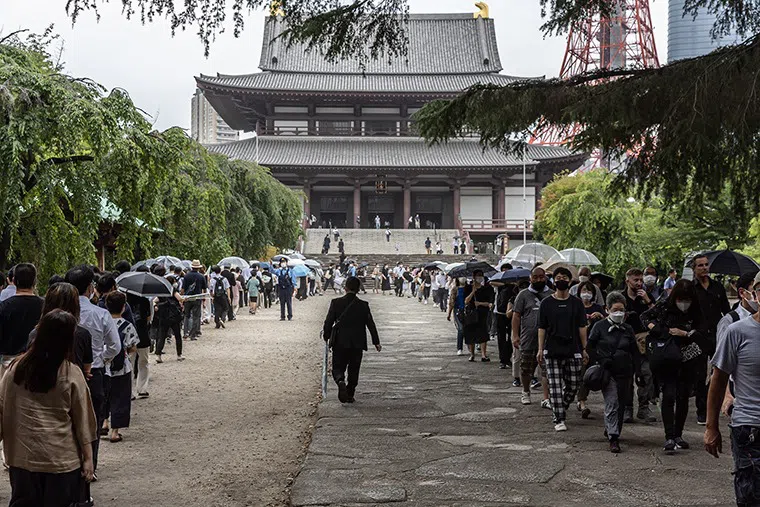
(564, 380)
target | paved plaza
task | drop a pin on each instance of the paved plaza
(430, 429)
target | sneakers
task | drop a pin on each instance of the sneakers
(180, 358)
(535, 384)
(546, 404)
(460, 352)
(502, 366)
(143, 395)
(525, 399)
(516, 383)
(560, 426)
(645, 414)
(485, 359)
(670, 446)
(585, 413)
(628, 415)
(681, 443)
(614, 447)
(701, 420)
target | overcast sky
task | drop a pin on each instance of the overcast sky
(158, 70)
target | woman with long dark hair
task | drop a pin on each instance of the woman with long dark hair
(676, 340)
(44, 389)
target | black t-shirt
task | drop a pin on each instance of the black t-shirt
(561, 319)
(634, 308)
(194, 283)
(229, 276)
(18, 316)
(590, 310)
(82, 346)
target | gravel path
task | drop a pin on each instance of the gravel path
(228, 426)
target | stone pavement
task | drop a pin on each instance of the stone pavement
(431, 429)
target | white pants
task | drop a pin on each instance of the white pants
(140, 385)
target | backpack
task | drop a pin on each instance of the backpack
(283, 280)
(117, 363)
(219, 290)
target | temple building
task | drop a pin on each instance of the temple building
(345, 134)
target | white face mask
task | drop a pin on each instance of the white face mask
(587, 296)
(617, 317)
(683, 305)
(650, 279)
(479, 279)
(583, 279)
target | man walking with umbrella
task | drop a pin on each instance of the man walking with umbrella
(286, 282)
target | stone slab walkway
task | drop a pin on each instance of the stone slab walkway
(431, 429)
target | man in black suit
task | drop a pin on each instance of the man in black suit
(352, 317)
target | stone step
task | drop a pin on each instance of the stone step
(408, 260)
(373, 241)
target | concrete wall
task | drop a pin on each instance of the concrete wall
(477, 203)
(514, 203)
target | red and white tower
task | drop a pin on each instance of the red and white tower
(624, 39)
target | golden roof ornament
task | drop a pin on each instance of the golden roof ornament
(482, 10)
(275, 9)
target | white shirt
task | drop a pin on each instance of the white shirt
(7, 292)
(441, 279)
(726, 321)
(434, 283)
(215, 278)
(105, 336)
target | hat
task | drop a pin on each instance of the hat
(756, 280)
(196, 264)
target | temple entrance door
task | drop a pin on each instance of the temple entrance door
(337, 219)
(431, 220)
(386, 220)
(381, 205)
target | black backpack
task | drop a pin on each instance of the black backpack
(219, 290)
(117, 363)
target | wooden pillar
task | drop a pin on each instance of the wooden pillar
(458, 206)
(357, 203)
(500, 201)
(407, 203)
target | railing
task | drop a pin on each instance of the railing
(497, 224)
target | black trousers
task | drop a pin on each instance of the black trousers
(98, 395)
(286, 301)
(161, 340)
(120, 400)
(329, 284)
(443, 300)
(350, 359)
(266, 294)
(220, 309)
(676, 387)
(230, 310)
(38, 489)
(701, 386)
(502, 339)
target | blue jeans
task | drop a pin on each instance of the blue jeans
(286, 298)
(745, 447)
(460, 331)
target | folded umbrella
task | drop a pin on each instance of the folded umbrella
(469, 268)
(144, 284)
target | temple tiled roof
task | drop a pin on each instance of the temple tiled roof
(400, 153)
(438, 44)
(348, 83)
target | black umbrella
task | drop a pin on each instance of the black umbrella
(435, 265)
(727, 262)
(604, 278)
(364, 264)
(511, 275)
(470, 267)
(144, 284)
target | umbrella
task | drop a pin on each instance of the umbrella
(604, 278)
(297, 256)
(469, 268)
(349, 261)
(146, 262)
(312, 263)
(576, 257)
(295, 262)
(436, 265)
(451, 266)
(188, 265)
(727, 262)
(550, 267)
(531, 252)
(511, 275)
(265, 265)
(278, 258)
(364, 264)
(234, 262)
(300, 269)
(168, 261)
(144, 284)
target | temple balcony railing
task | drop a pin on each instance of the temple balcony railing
(497, 225)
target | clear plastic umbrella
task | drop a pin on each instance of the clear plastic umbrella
(578, 257)
(234, 262)
(167, 261)
(531, 252)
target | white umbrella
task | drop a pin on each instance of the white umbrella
(297, 256)
(312, 263)
(580, 257)
(531, 252)
(295, 262)
(234, 262)
(167, 261)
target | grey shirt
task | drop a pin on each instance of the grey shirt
(738, 354)
(526, 304)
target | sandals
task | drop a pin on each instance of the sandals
(118, 438)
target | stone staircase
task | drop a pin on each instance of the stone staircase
(408, 260)
(363, 242)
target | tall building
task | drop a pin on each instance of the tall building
(690, 37)
(206, 126)
(345, 135)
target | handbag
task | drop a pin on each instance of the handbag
(334, 331)
(664, 353)
(470, 315)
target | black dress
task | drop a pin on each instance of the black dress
(386, 280)
(478, 332)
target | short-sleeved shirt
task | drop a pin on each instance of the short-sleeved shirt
(669, 283)
(527, 304)
(562, 320)
(194, 283)
(130, 340)
(739, 356)
(253, 286)
(18, 316)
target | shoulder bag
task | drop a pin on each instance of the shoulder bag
(334, 331)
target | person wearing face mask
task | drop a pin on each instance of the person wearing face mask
(650, 284)
(587, 292)
(612, 345)
(584, 275)
(637, 303)
(480, 296)
(170, 313)
(456, 307)
(562, 345)
(525, 334)
(676, 324)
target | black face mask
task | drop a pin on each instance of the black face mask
(538, 286)
(561, 285)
